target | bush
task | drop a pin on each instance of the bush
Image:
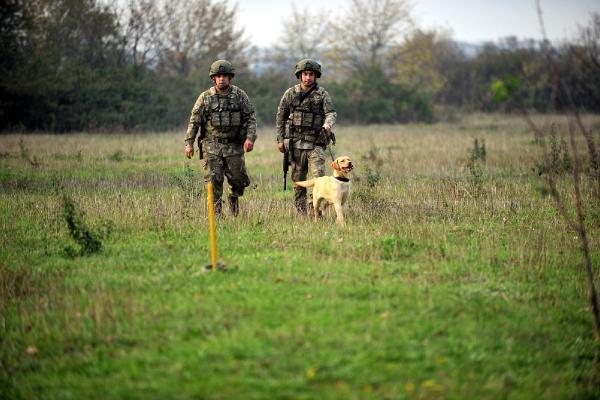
(89, 241)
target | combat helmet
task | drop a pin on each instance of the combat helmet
(308, 65)
(221, 67)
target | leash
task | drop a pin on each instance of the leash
(331, 143)
(329, 147)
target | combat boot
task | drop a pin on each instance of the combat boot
(234, 205)
(301, 208)
(300, 201)
(219, 208)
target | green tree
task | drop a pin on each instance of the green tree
(417, 62)
(17, 21)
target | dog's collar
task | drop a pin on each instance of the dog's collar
(341, 178)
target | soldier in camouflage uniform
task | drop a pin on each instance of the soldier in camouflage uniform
(227, 123)
(304, 120)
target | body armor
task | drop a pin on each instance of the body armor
(225, 117)
(306, 117)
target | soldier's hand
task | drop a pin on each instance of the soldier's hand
(327, 128)
(189, 151)
(248, 146)
(281, 147)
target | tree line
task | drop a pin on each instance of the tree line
(75, 65)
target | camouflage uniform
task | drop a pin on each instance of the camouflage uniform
(298, 123)
(224, 122)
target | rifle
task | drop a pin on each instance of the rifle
(286, 164)
(200, 149)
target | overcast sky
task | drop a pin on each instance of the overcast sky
(468, 20)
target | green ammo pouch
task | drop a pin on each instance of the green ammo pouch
(235, 118)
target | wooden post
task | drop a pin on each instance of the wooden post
(211, 224)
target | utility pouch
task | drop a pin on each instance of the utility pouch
(310, 136)
(297, 118)
(288, 129)
(215, 118)
(317, 121)
(225, 118)
(307, 119)
(235, 118)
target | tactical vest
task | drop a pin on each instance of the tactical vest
(225, 117)
(306, 118)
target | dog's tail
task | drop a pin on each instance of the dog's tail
(307, 184)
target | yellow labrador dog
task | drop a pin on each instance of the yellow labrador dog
(331, 189)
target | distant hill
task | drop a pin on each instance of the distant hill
(470, 49)
(262, 62)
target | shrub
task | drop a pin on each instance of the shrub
(89, 241)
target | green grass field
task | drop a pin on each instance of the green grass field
(451, 280)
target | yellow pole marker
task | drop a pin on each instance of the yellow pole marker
(211, 224)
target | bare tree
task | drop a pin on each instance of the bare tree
(575, 125)
(511, 89)
(304, 36)
(143, 26)
(589, 38)
(369, 29)
(195, 33)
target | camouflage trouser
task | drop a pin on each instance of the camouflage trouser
(232, 167)
(302, 162)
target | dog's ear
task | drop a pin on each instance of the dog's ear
(335, 165)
